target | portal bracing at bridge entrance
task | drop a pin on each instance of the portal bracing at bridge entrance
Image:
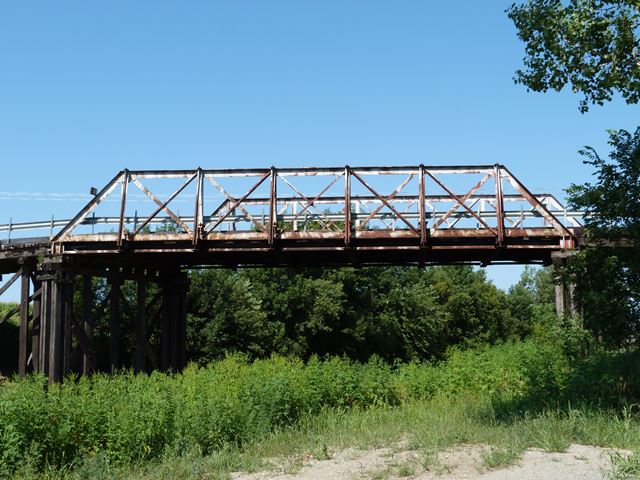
(135, 229)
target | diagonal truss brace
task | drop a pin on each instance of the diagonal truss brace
(389, 198)
(461, 203)
(219, 187)
(310, 203)
(163, 206)
(387, 204)
(236, 203)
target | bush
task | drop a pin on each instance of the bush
(127, 418)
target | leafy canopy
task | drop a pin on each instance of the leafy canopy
(591, 45)
(612, 203)
(608, 273)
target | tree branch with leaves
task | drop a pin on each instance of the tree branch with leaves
(593, 46)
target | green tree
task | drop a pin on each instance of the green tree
(535, 287)
(608, 272)
(477, 311)
(594, 46)
(225, 315)
(591, 45)
(404, 313)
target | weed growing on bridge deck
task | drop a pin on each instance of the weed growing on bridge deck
(233, 413)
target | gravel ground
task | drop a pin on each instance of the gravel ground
(579, 462)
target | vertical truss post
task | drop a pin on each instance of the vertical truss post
(198, 215)
(497, 173)
(140, 324)
(273, 207)
(23, 346)
(123, 203)
(87, 321)
(347, 206)
(114, 322)
(421, 208)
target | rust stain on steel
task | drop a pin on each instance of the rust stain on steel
(383, 200)
(310, 203)
(237, 202)
(219, 187)
(389, 198)
(164, 205)
(159, 203)
(358, 225)
(460, 202)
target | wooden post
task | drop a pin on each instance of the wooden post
(114, 321)
(181, 362)
(45, 323)
(67, 312)
(36, 325)
(141, 298)
(23, 346)
(565, 304)
(55, 331)
(165, 362)
(87, 321)
(174, 322)
(175, 319)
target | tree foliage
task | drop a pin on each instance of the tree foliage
(594, 46)
(397, 313)
(608, 273)
(591, 45)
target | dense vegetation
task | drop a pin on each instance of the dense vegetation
(592, 46)
(607, 273)
(126, 419)
(395, 313)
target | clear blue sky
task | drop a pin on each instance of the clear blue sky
(88, 88)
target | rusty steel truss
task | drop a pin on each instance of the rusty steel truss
(150, 226)
(343, 219)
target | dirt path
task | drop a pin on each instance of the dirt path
(579, 462)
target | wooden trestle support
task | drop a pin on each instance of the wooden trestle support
(53, 331)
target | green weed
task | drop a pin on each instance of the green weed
(235, 413)
(624, 467)
(499, 457)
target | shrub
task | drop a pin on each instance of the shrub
(128, 418)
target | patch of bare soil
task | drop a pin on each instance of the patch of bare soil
(579, 462)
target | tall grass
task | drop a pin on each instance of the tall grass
(126, 419)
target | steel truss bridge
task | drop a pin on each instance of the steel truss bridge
(136, 229)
